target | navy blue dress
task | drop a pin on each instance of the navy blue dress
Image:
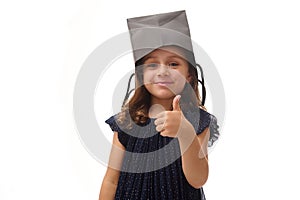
(152, 166)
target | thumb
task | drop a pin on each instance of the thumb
(176, 105)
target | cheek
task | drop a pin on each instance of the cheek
(148, 76)
(180, 81)
(180, 85)
(179, 76)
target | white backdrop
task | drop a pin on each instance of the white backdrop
(254, 45)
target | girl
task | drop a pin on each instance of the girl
(161, 135)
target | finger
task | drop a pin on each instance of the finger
(155, 109)
(159, 121)
(163, 133)
(175, 104)
(160, 128)
(161, 115)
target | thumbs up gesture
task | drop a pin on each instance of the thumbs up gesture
(169, 123)
(176, 105)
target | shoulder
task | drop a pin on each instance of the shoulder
(199, 117)
(113, 123)
(201, 120)
(117, 128)
(208, 120)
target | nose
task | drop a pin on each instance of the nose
(163, 70)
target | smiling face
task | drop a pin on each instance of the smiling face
(165, 73)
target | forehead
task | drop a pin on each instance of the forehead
(166, 52)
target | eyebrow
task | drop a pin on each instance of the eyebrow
(153, 57)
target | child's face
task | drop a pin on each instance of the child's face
(165, 72)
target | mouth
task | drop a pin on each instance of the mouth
(163, 83)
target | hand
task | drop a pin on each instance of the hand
(170, 123)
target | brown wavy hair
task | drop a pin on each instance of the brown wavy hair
(137, 107)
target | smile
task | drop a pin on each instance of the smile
(165, 83)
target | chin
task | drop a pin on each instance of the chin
(163, 95)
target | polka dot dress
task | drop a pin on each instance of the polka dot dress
(152, 167)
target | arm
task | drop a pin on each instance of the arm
(193, 148)
(110, 180)
(194, 155)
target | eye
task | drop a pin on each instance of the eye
(151, 65)
(173, 64)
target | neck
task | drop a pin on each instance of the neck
(165, 103)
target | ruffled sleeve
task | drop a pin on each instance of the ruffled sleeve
(208, 120)
(122, 136)
(214, 130)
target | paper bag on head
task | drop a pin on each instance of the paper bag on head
(148, 33)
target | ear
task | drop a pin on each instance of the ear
(189, 78)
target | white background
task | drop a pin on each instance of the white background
(254, 44)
